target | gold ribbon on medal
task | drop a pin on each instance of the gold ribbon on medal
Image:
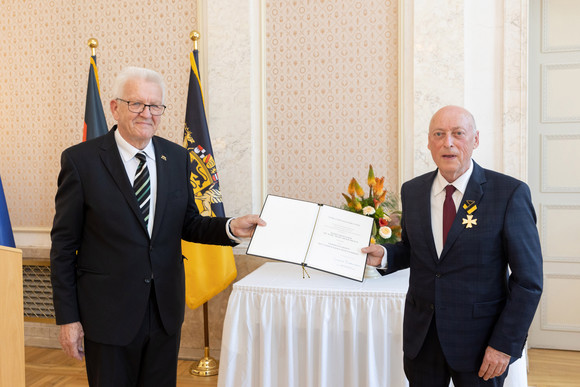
(470, 207)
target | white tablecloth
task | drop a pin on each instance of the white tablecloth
(282, 330)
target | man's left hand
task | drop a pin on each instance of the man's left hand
(244, 226)
(494, 363)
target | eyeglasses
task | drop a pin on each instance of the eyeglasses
(139, 107)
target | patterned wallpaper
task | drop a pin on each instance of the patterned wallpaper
(331, 88)
(331, 84)
(44, 63)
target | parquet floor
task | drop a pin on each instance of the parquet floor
(553, 368)
(50, 367)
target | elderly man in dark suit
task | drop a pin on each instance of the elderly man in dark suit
(123, 205)
(470, 240)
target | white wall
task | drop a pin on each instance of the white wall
(471, 54)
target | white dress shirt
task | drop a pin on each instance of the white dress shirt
(131, 163)
(437, 199)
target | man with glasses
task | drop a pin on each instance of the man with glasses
(122, 207)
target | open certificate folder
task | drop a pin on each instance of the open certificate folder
(313, 235)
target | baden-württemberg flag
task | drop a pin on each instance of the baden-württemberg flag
(209, 269)
(6, 235)
(95, 122)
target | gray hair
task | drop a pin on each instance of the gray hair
(132, 73)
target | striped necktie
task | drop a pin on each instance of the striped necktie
(142, 186)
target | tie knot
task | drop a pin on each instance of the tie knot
(141, 156)
(449, 190)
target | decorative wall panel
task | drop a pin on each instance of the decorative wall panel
(560, 157)
(561, 30)
(44, 63)
(560, 225)
(331, 102)
(560, 293)
(560, 85)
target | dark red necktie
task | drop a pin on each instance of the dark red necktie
(448, 211)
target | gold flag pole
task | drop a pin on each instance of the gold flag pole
(93, 44)
(206, 366)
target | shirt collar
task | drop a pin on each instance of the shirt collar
(128, 151)
(460, 183)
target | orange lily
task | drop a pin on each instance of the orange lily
(349, 201)
(358, 189)
(382, 197)
(371, 178)
(351, 187)
(380, 181)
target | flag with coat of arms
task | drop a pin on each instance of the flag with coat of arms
(209, 269)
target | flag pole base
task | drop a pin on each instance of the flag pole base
(206, 366)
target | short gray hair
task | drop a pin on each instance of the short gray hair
(132, 73)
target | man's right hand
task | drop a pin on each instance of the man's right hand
(71, 340)
(375, 254)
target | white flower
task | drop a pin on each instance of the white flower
(368, 210)
(385, 232)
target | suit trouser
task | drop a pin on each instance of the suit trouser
(149, 360)
(430, 368)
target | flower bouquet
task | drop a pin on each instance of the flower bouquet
(381, 205)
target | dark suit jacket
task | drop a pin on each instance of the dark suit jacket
(102, 258)
(474, 298)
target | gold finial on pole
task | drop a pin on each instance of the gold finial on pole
(194, 35)
(93, 44)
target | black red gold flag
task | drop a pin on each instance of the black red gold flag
(95, 122)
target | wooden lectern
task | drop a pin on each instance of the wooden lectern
(11, 318)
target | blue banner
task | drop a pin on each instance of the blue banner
(6, 235)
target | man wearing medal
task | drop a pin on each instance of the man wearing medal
(470, 240)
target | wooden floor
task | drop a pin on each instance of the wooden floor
(50, 367)
(552, 368)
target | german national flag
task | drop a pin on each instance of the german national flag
(95, 122)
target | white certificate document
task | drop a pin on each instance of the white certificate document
(317, 236)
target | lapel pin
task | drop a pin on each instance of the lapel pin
(163, 158)
(469, 222)
(470, 206)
